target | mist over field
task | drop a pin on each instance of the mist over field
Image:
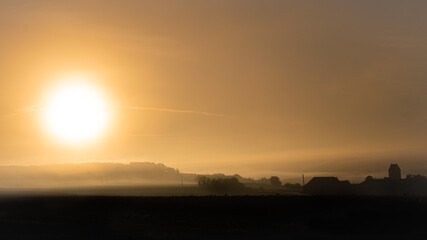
(91, 174)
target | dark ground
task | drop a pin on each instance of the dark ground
(214, 217)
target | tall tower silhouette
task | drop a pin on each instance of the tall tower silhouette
(394, 172)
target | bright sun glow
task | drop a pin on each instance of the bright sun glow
(76, 112)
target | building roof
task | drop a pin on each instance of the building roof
(394, 166)
(324, 181)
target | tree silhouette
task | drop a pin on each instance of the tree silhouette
(275, 181)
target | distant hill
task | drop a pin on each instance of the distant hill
(94, 174)
(91, 174)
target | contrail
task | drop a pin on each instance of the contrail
(25, 110)
(29, 109)
(38, 107)
(173, 111)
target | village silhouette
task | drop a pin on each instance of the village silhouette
(392, 185)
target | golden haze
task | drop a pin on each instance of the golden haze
(266, 87)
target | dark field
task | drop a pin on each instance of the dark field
(213, 217)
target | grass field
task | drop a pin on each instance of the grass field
(212, 217)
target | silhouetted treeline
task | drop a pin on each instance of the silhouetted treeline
(234, 185)
(272, 183)
(296, 187)
(220, 185)
(416, 177)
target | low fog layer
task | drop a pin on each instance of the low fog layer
(91, 174)
(152, 174)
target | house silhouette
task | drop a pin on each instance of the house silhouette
(327, 185)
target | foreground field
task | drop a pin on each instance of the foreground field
(237, 217)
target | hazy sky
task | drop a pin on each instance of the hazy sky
(268, 87)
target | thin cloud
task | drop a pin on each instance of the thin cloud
(173, 111)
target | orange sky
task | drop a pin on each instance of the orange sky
(253, 87)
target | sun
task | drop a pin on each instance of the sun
(76, 112)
